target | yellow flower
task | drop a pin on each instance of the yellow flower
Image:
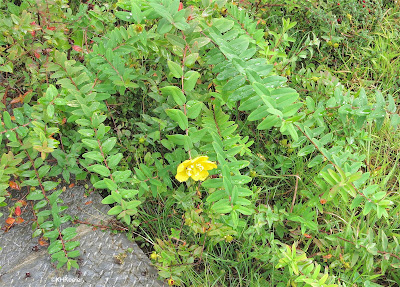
(154, 256)
(171, 282)
(195, 168)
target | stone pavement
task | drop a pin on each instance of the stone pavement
(102, 261)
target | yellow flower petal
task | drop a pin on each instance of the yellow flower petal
(209, 165)
(200, 159)
(182, 176)
(200, 175)
(183, 166)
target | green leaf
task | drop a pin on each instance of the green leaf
(74, 254)
(90, 143)
(176, 41)
(43, 213)
(7, 120)
(222, 206)
(95, 155)
(245, 210)
(100, 169)
(317, 160)
(234, 83)
(163, 27)
(37, 233)
(137, 13)
(121, 176)
(201, 41)
(50, 111)
(181, 25)
(310, 103)
(83, 122)
(258, 113)
(284, 96)
(191, 59)
(40, 204)
(223, 24)
(175, 69)
(179, 117)
(51, 92)
(54, 247)
(193, 109)
(111, 185)
(49, 185)
(86, 132)
(190, 80)
(108, 200)
(216, 195)
(235, 218)
(213, 183)
(35, 195)
(108, 145)
(162, 11)
(176, 94)
(133, 204)
(115, 210)
(241, 93)
(292, 132)
(114, 160)
(269, 122)
(260, 89)
(356, 201)
(71, 245)
(306, 150)
(19, 117)
(51, 234)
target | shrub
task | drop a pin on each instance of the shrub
(168, 91)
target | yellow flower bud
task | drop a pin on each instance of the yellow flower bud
(228, 238)
(154, 256)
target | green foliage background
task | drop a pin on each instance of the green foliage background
(301, 120)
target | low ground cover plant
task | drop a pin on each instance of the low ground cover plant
(240, 143)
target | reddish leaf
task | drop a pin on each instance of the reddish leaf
(51, 28)
(77, 48)
(14, 185)
(19, 220)
(307, 235)
(89, 202)
(20, 98)
(16, 100)
(42, 242)
(10, 220)
(180, 6)
(71, 185)
(17, 211)
(64, 120)
(33, 23)
(33, 33)
(327, 256)
(37, 55)
(23, 202)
